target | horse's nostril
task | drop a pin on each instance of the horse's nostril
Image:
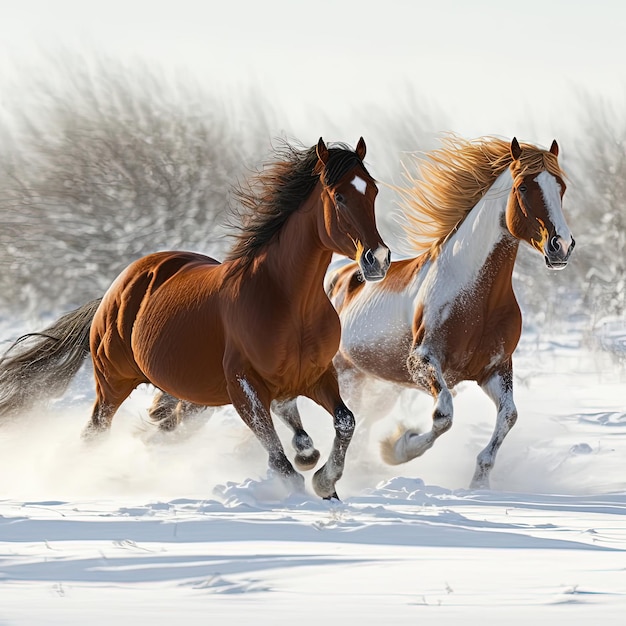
(554, 245)
(369, 257)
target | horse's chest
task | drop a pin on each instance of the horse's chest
(301, 350)
(468, 339)
(317, 342)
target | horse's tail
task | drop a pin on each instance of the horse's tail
(41, 365)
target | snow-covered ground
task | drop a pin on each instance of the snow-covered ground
(189, 528)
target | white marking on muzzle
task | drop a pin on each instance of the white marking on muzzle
(359, 184)
(380, 254)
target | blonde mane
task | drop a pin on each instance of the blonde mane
(449, 182)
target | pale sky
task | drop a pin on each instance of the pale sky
(491, 66)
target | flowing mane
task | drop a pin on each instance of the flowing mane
(451, 180)
(279, 189)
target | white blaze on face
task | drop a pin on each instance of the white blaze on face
(359, 184)
(551, 191)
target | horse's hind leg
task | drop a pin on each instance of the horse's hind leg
(500, 389)
(110, 393)
(106, 405)
(307, 455)
(427, 375)
(167, 412)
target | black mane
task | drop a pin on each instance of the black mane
(274, 193)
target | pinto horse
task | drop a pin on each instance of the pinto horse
(254, 329)
(450, 314)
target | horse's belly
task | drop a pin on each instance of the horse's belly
(182, 352)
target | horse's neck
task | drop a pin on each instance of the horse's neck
(480, 239)
(296, 258)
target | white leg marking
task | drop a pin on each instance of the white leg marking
(501, 394)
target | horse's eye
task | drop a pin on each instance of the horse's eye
(523, 188)
(339, 198)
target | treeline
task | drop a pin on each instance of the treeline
(105, 163)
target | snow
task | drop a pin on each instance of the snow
(149, 528)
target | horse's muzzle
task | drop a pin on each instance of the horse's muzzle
(374, 265)
(557, 254)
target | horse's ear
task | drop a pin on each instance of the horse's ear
(361, 149)
(322, 151)
(515, 149)
(554, 148)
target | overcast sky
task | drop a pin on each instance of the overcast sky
(492, 66)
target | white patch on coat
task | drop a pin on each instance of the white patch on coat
(359, 184)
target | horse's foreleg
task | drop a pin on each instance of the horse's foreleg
(326, 394)
(251, 401)
(426, 374)
(307, 455)
(500, 389)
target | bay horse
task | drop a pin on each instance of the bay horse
(449, 314)
(254, 329)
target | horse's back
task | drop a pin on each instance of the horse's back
(142, 279)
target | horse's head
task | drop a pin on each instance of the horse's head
(349, 225)
(534, 211)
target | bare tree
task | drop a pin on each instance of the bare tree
(600, 197)
(110, 163)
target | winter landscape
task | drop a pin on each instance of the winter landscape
(115, 151)
(189, 526)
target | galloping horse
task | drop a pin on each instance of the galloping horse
(253, 329)
(450, 313)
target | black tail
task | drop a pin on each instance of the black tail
(41, 365)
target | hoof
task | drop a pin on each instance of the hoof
(307, 462)
(480, 484)
(93, 433)
(323, 486)
(293, 481)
